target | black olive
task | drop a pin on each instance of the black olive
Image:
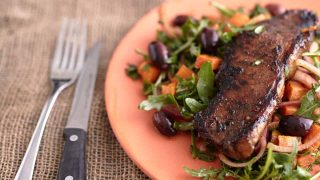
(164, 125)
(294, 125)
(173, 112)
(275, 9)
(209, 39)
(159, 54)
(180, 20)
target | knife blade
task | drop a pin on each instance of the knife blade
(72, 165)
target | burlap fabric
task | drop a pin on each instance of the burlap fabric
(28, 30)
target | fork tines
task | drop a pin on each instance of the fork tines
(70, 48)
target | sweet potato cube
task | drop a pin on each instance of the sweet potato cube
(274, 137)
(315, 130)
(202, 58)
(288, 110)
(148, 72)
(239, 19)
(288, 140)
(184, 72)
(295, 91)
(168, 88)
(305, 160)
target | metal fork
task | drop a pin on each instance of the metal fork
(67, 62)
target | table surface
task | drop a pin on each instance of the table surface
(28, 30)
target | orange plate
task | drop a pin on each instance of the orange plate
(158, 156)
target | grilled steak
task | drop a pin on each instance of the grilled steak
(251, 81)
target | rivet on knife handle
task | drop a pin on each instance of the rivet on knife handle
(73, 166)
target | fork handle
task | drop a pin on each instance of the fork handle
(72, 165)
(26, 168)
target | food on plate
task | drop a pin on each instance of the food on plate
(248, 94)
(244, 85)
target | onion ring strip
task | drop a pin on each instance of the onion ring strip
(227, 161)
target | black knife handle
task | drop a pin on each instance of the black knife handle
(73, 161)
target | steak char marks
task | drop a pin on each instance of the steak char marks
(251, 81)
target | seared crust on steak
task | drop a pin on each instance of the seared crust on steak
(249, 91)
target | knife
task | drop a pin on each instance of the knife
(73, 163)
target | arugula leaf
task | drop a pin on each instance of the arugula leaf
(303, 173)
(205, 85)
(266, 166)
(157, 102)
(271, 166)
(190, 31)
(183, 126)
(194, 105)
(143, 54)
(309, 103)
(310, 54)
(202, 172)
(132, 72)
(223, 9)
(185, 112)
(186, 88)
(226, 37)
(209, 173)
(195, 50)
(258, 9)
(207, 156)
(148, 88)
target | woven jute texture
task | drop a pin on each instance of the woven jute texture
(28, 30)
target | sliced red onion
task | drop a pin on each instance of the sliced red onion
(273, 125)
(227, 161)
(289, 149)
(290, 103)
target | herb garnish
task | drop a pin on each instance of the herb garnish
(223, 9)
(309, 103)
(272, 166)
(197, 153)
(259, 29)
(132, 72)
(258, 9)
(257, 62)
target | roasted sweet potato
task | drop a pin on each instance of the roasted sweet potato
(169, 88)
(148, 72)
(315, 129)
(305, 160)
(184, 72)
(202, 58)
(274, 136)
(239, 19)
(288, 140)
(288, 110)
(294, 91)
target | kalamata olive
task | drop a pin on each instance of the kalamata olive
(173, 112)
(179, 20)
(159, 54)
(164, 125)
(209, 39)
(275, 9)
(294, 125)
